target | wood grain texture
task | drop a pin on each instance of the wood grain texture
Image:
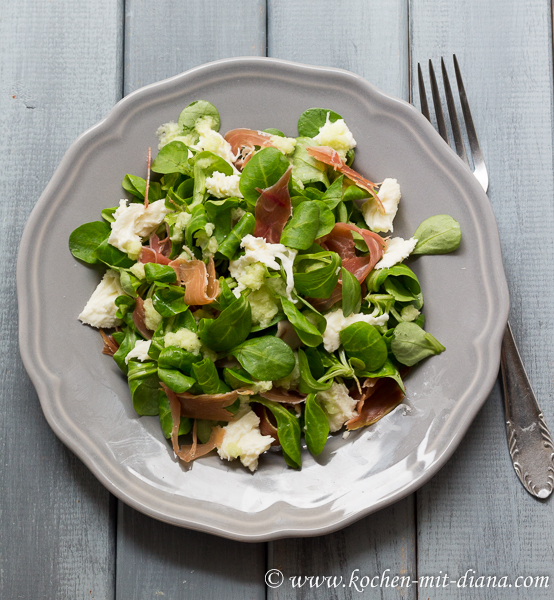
(153, 559)
(368, 38)
(168, 37)
(385, 540)
(60, 72)
(371, 39)
(475, 514)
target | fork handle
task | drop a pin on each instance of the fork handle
(529, 440)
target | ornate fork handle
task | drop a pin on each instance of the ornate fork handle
(529, 440)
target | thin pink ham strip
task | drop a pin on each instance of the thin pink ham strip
(378, 399)
(138, 319)
(195, 450)
(157, 251)
(243, 142)
(273, 209)
(266, 426)
(340, 241)
(201, 284)
(207, 406)
(331, 157)
(283, 396)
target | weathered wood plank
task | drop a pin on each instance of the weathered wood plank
(162, 40)
(60, 72)
(165, 38)
(475, 514)
(371, 39)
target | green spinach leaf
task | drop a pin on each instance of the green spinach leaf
(288, 431)
(173, 357)
(363, 342)
(229, 247)
(169, 301)
(144, 385)
(301, 230)
(351, 293)
(85, 240)
(172, 158)
(308, 383)
(305, 167)
(263, 170)
(316, 425)
(410, 344)
(437, 235)
(317, 274)
(230, 328)
(311, 120)
(200, 109)
(159, 273)
(307, 332)
(208, 379)
(266, 358)
(175, 380)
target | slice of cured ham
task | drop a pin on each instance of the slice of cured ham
(243, 143)
(195, 450)
(283, 396)
(207, 406)
(379, 397)
(331, 157)
(273, 210)
(340, 241)
(201, 284)
(138, 319)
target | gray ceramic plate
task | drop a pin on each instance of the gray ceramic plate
(86, 400)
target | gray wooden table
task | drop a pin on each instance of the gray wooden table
(63, 65)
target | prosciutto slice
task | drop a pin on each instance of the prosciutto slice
(207, 406)
(138, 319)
(195, 450)
(201, 284)
(267, 427)
(283, 396)
(340, 241)
(110, 345)
(243, 143)
(273, 209)
(157, 251)
(379, 397)
(331, 157)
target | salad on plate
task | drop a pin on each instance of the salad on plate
(254, 294)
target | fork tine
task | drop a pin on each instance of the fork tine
(422, 94)
(441, 123)
(456, 132)
(478, 160)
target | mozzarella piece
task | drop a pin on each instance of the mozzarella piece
(337, 136)
(336, 322)
(185, 339)
(242, 439)
(223, 186)
(134, 222)
(258, 250)
(337, 405)
(389, 194)
(285, 144)
(100, 309)
(397, 250)
(139, 351)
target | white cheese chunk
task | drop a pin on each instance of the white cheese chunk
(139, 351)
(336, 322)
(100, 309)
(389, 194)
(134, 222)
(337, 136)
(185, 339)
(258, 250)
(223, 186)
(397, 250)
(337, 405)
(242, 439)
(285, 144)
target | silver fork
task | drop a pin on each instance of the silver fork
(529, 441)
